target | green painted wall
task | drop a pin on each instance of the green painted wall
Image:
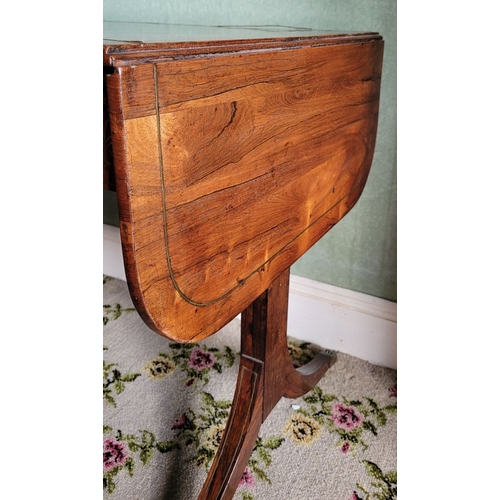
(360, 252)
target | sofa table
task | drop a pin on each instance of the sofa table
(232, 151)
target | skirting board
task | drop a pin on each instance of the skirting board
(335, 318)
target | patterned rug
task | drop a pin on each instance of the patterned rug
(165, 406)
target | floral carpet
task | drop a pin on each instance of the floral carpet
(166, 404)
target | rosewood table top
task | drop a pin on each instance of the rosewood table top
(234, 149)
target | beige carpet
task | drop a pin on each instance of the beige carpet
(165, 406)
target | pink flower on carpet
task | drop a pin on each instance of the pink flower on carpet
(355, 496)
(345, 447)
(179, 423)
(393, 392)
(200, 360)
(346, 417)
(247, 479)
(114, 454)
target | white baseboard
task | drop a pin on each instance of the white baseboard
(343, 320)
(112, 257)
(332, 317)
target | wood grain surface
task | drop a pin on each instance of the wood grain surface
(231, 164)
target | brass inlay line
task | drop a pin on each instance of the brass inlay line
(255, 378)
(165, 226)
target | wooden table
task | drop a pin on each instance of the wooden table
(232, 151)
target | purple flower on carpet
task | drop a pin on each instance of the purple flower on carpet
(114, 454)
(346, 417)
(200, 360)
(180, 423)
(247, 479)
(345, 447)
(393, 392)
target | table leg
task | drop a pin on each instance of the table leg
(266, 374)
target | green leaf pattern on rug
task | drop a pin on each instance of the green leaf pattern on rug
(114, 312)
(260, 459)
(114, 382)
(203, 430)
(301, 352)
(121, 451)
(385, 485)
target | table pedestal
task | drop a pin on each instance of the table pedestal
(266, 374)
